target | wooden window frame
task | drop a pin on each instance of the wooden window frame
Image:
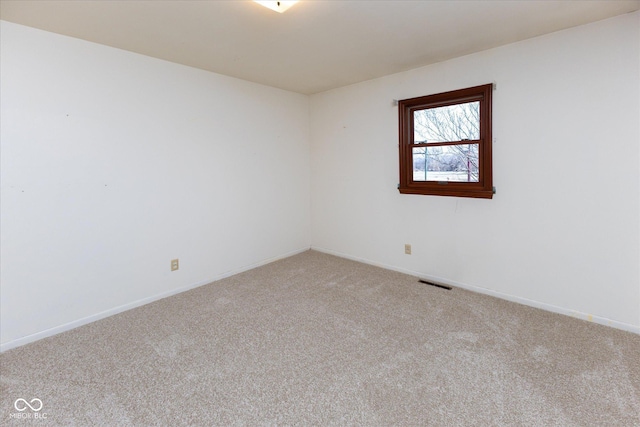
(481, 189)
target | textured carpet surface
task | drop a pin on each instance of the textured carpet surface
(318, 340)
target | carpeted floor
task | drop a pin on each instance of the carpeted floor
(319, 340)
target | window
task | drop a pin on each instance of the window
(445, 143)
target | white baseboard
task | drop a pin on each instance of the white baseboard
(531, 303)
(89, 319)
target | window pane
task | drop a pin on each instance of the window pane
(445, 124)
(457, 163)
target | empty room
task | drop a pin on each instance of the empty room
(320, 213)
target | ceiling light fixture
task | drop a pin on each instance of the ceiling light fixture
(278, 6)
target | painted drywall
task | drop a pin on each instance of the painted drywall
(562, 231)
(115, 163)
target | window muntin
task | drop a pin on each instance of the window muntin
(445, 144)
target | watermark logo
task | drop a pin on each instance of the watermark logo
(28, 409)
(21, 404)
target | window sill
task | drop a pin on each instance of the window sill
(452, 192)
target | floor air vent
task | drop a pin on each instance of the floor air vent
(437, 285)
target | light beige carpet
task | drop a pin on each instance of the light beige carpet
(319, 340)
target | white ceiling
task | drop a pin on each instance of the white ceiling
(315, 45)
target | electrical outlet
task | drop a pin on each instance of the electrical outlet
(407, 249)
(175, 264)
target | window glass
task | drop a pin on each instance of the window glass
(446, 163)
(457, 122)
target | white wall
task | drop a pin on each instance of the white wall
(562, 232)
(114, 163)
